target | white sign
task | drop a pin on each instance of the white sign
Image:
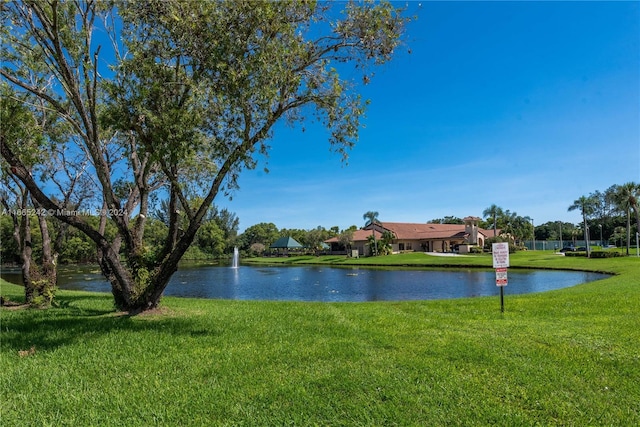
(501, 277)
(500, 255)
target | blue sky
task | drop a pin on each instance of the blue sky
(528, 105)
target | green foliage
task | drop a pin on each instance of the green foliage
(19, 127)
(298, 234)
(447, 220)
(345, 238)
(605, 254)
(493, 212)
(78, 249)
(256, 249)
(314, 238)
(371, 218)
(263, 233)
(500, 239)
(384, 245)
(155, 235)
(9, 251)
(228, 222)
(211, 239)
(142, 278)
(551, 231)
(575, 254)
(44, 293)
(195, 253)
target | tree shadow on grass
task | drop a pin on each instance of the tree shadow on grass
(83, 318)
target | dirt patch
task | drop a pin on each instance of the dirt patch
(12, 305)
(158, 311)
(16, 306)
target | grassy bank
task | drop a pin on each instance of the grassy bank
(524, 259)
(567, 357)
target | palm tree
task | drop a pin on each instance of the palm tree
(626, 198)
(372, 218)
(574, 236)
(585, 204)
(494, 212)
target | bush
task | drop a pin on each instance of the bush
(195, 253)
(605, 254)
(256, 249)
(499, 239)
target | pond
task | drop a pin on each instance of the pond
(320, 283)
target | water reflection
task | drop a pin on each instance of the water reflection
(316, 283)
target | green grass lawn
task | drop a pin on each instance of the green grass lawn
(567, 357)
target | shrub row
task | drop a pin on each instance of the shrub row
(605, 254)
(596, 254)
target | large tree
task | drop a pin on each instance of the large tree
(23, 129)
(189, 99)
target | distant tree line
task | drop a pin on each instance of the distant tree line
(609, 217)
(257, 239)
(214, 240)
(612, 215)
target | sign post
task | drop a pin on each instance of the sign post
(500, 253)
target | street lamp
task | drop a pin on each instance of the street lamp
(601, 245)
(560, 223)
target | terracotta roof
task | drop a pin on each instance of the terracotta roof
(489, 233)
(358, 236)
(404, 230)
(418, 231)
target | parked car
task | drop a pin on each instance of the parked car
(568, 249)
(581, 249)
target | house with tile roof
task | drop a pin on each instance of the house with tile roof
(421, 237)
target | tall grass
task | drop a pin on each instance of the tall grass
(566, 357)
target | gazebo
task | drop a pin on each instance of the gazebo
(286, 243)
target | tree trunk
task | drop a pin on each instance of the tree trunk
(47, 281)
(495, 226)
(586, 235)
(628, 230)
(48, 278)
(27, 250)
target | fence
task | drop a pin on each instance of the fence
(550, 245)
